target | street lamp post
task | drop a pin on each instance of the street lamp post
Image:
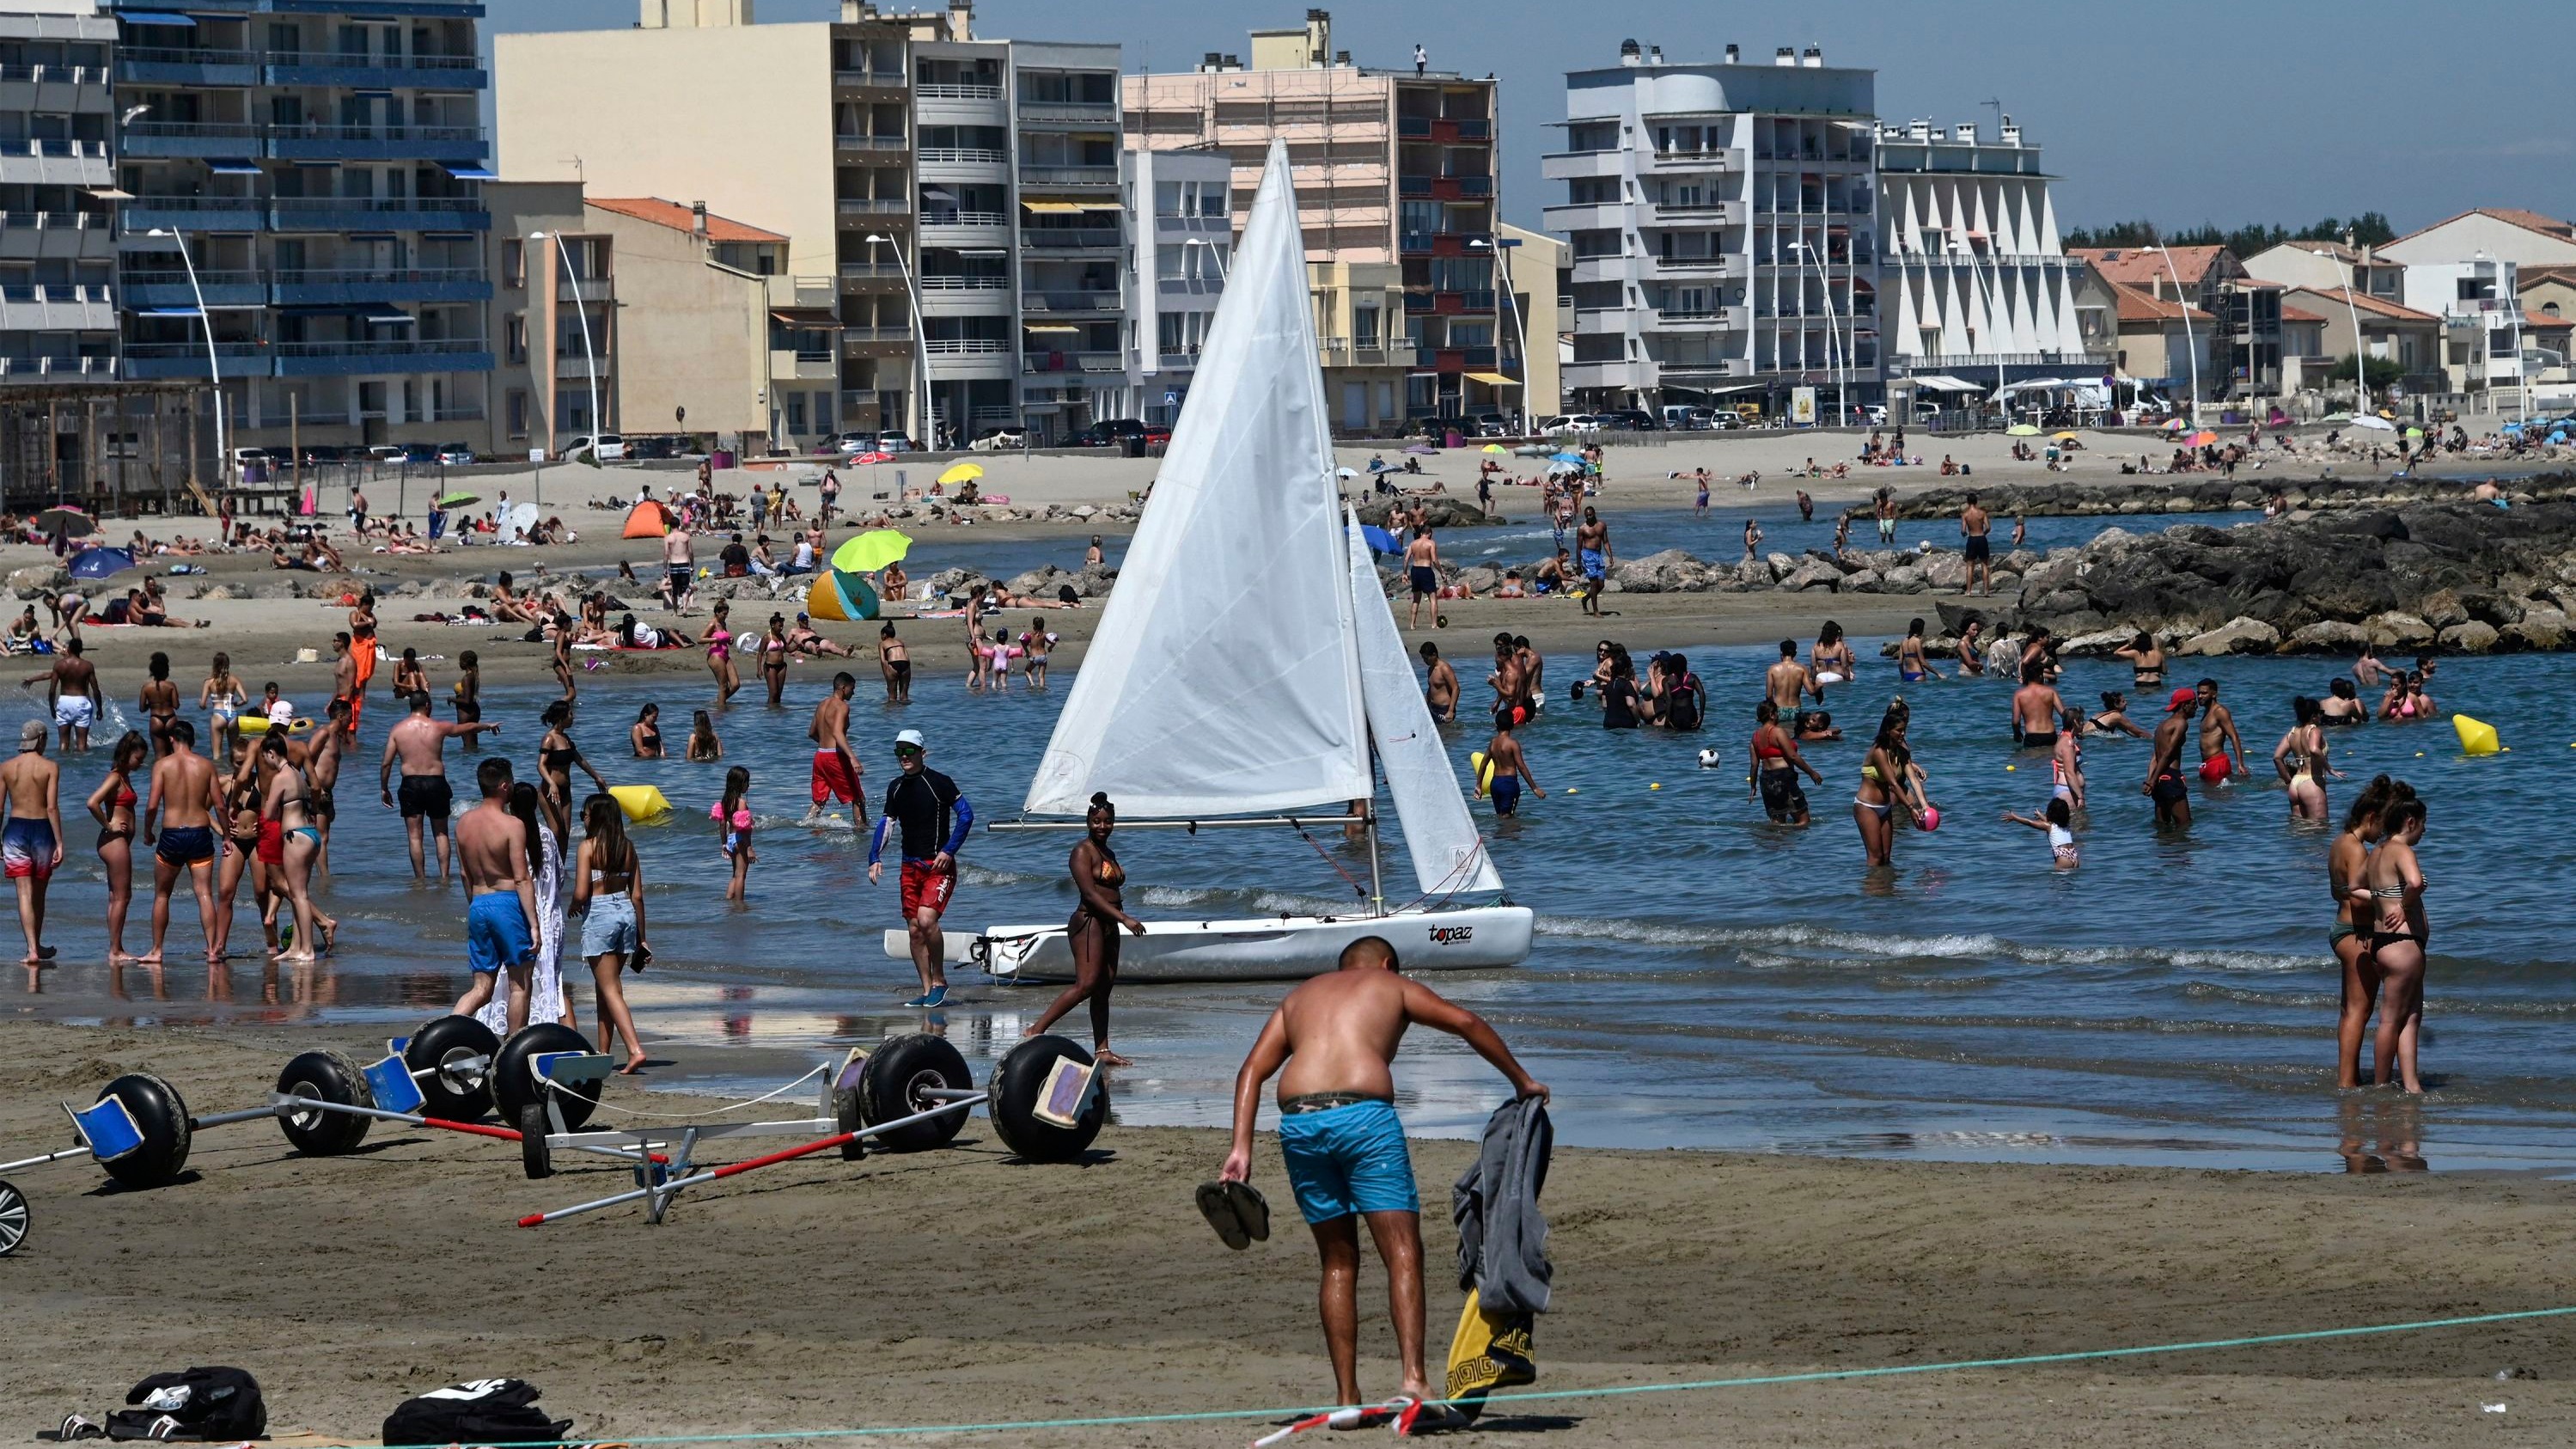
(2360, 367)
(583, 314)
(1825, 282)
(214, 366)
(1501, 247)
(920, 332)
(2190, 348)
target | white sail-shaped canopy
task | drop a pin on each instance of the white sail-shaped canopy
(1448, 856)
(1222, 679)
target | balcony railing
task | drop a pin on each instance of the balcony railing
(1068, 175)
(38, 369)
(867, 77)
(866, 271)
(1081, 300)
(949, 91)
(872, 205)
(394, 276)
(360, 60)
(36, 146)
(962, 156)
(852, 142)
(54, 292)
(964, 284)
(964, 218)
(74, 75)
(1071, 236)
(966, 346)
(394, 347)
(56, 220)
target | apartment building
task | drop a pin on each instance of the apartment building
(961, 191)
(1724, 226)
(1180, 210)
(2246, 344)
(310, 176)
(1531, 262)
(532, 290)
(1394, 168)
(57, 232)
(1973, 280)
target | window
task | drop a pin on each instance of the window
(1167, 199)
(516, 409)
(1215, 199)
(2548, 309)
(514, 337)
(796, 412)
(1364, 330)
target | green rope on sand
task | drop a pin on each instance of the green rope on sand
(1815, 1376)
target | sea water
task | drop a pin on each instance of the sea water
(1702, 977)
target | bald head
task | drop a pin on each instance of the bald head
(1369, 951)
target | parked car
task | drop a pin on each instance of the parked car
(846, 443)
(664, 446)
(895, 442)
(1492, 425)
(1110, 432)
(609, 447)
(1572, 425)
(1635, 419)
(388, 454)
(999, 440)
(455, 455)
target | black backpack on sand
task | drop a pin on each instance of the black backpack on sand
(486, 1411)
(197, 1403)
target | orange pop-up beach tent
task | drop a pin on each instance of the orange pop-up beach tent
(648, 519)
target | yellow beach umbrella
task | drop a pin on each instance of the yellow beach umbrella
(871, 551)
(1496, 448)
(960, 472)
(2021, 430)
(2065, 438)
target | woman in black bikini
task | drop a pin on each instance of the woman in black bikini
(112, 806)
(2349, 938)
(2342, 704)
(773, 660)
(646, 736)
(556, 755)
(1093, 931)
(2398, 938)
(160, 701)
(563, 632)
(2114, 717)
(2146, 661)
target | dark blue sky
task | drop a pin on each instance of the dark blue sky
(2188, 111)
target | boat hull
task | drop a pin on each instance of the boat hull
(1272, 948)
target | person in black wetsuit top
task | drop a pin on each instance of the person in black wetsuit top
(930, 816)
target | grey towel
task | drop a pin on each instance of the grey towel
(1502, 1236)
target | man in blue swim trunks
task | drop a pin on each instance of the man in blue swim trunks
(492, 846)
(1336, 1036)
(1592, 548)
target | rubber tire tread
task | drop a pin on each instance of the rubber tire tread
(162, 1114)
(883, 1085)
(1011, 1098)
(536, 1159)
(436, 1040)
(337, 1077)
(513, 1087)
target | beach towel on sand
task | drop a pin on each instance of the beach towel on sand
(1502, 1256)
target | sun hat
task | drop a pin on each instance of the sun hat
(909, 737)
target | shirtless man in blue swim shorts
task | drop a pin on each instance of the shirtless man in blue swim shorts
(501, 905)
(1336, 1036)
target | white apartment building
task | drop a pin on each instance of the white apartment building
(1973, 280)
(2480, 303)
(1180, 212)
(1724, 227)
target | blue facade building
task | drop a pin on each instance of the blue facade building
(321, 162)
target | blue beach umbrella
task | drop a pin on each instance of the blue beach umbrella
(1567, 457)
(98, 563)
(1379, 540)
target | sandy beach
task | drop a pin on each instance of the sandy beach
(263, 634)
(956, 1286)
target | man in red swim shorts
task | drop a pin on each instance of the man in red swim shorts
(836, 769)
(932, 816)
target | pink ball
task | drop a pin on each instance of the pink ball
(1932, 818)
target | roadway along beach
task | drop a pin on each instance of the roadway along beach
(954, 1287)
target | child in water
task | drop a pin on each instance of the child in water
(2061, 840)
(733, 819)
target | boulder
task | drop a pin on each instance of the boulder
(2442, 608)
(1481, 579)
(2469, 638)
(2540, 627)
(1440, 510)
(1863, 581)
(2096, 644)
(2327, 636)
(1041, 582)
(1665, 572)
(1812, 574)
(1903, 579)
(1945, 571)
(1780, 564)
(37, 581)
(2395, 630)
(2240, 635)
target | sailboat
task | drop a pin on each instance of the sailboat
(1247, 668)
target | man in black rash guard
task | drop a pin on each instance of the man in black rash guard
(930, 816)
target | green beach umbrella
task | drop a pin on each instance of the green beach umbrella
(2021, 430)
(872, 550)
(460, 499)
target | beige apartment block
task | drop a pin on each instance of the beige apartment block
(805, 126)
(1393, 167)
(1541, 318)
(543, 251)
(715, 335)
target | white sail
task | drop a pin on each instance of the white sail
(1448, 855)
(1222, 679)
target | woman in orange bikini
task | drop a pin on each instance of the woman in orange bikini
(1093, 931)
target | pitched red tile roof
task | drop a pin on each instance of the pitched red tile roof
(680, 218)
(2138, 306)
(2543, 322)
(2144, 266)
(2333, 298)
(2548, 226)
(2299, 314)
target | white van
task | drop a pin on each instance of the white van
(611, 447)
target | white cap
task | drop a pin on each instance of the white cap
(909, 737)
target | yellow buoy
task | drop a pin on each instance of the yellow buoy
(1570, 790)
(640, 802)
(1484, 769)
(2477, 737)
(2008, 769)
(1656, 786)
